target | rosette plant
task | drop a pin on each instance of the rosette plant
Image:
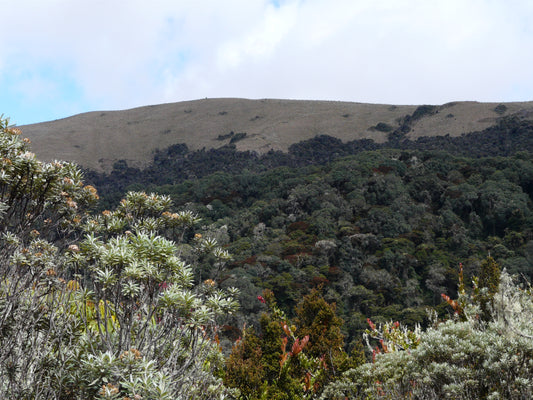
(41, 205)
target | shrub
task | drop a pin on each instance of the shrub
(463, 357)
(100, 306)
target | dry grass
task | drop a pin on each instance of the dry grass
(97, 139)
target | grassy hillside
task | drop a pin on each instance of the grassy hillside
(96, 140)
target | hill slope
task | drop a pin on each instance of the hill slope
(97, 139)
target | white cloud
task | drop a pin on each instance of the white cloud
(122, 54)
(262, 41)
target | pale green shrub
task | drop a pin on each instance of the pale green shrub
(100, 307)
(456, 359)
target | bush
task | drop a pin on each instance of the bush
(463, 357)
(100, 306)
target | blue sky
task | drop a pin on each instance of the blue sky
(63, 57)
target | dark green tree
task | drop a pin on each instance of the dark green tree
(488, 285)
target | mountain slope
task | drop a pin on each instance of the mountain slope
(96, 140)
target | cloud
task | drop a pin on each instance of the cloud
(114, 54)
(261, 42)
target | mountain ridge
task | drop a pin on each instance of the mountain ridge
(97, 139)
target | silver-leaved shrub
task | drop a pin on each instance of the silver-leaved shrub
(461, 358)
(100, 307)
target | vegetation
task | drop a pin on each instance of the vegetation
(382, 231)
(290, 359)
(333, 243)
(463, 358)
(177, 164)
(100, 306)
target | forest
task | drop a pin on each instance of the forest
(336, 270)
(380, 228)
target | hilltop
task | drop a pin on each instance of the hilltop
(96, 140)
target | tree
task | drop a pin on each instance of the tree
(39, 203)
(317, 318)
(245, 370)
(292, 359)
(142, 300)
(488, 283)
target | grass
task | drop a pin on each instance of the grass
(97, 139)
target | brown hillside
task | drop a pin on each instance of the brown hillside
(97, 139)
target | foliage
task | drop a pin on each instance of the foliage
(100, 306)
(289, 359)
(392, 337)
(147, 301)
(487, 286)
(177, 164)
(459, 358)
(39, 202)
(393, 222)
(137, 299)
(38, 199)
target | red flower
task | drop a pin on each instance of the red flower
(260, 298)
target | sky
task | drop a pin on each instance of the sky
(63, 57)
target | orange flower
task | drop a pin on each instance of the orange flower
(132, 352)
(92, 190)
(71, 203)
(108, 389)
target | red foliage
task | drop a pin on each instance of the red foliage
(298, 226)
(318, 281)
(382, 169)
(455, 305)
(334, 273)
(294, 258)
(298, 345)
(250, 260)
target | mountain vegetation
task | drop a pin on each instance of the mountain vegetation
(351, 264)
(101, 306)
(97, 140)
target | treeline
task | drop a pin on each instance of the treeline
(177, 163)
